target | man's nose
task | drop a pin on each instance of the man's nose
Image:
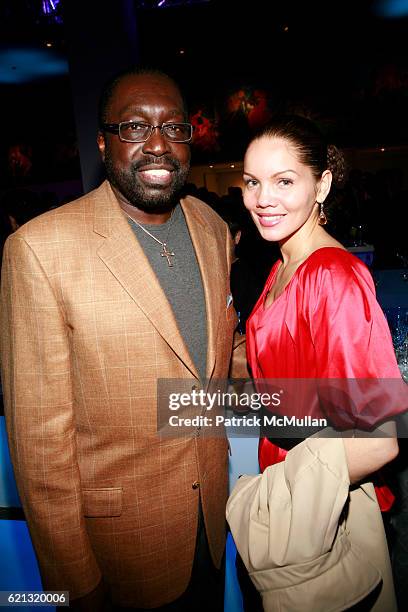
(156, 144)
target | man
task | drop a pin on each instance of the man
(101, 298)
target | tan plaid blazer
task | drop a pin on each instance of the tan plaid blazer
(86, 331)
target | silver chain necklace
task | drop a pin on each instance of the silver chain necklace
(164, 252)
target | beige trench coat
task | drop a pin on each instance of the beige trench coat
(311, 544)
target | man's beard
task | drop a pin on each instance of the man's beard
(127, 184)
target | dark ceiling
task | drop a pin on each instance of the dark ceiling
(340, 61)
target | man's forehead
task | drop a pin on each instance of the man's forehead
(138, 93)
(135, 109)
(138, 85)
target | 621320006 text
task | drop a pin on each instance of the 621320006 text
(34, 598)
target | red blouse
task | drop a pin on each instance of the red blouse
(326, 323)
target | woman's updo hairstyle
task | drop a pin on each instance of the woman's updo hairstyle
(310, 144)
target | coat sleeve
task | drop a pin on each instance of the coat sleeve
(274, 516)
(39, 409)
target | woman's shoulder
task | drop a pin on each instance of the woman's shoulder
(335, 259)
(335, 270)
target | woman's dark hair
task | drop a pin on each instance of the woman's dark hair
(310, 145)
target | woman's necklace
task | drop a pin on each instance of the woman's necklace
(164, 252)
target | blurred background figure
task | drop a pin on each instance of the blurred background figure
(245, 284)
(19, 160)
(19, 205)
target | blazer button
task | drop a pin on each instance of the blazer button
(194, 388)
(195, 484)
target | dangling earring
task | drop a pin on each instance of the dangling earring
(322, 214)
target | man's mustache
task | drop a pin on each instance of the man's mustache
(165, 160)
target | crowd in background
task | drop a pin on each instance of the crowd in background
(368, 210)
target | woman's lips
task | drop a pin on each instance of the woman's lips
(270, 220)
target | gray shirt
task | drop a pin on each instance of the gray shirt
(181, 283)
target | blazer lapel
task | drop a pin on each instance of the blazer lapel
(125, 258)
(205, 245)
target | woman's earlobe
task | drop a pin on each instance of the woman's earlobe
(324, 186)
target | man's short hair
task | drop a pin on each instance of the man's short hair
(110, 86)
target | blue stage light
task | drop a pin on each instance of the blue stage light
(154, 4)
(22, 65)
(391, 8)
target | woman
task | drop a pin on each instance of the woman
(317, 317)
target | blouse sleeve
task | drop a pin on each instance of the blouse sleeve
(353, 345)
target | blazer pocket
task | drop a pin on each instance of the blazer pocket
(102, 502)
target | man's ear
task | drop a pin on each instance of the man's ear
(324, 186)
(100, 140)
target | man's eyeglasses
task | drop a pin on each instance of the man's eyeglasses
(137, 131)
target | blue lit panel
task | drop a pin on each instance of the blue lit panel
(18, 565)
(391, 8)
(233, 597)
(8, 491)
(22, 65)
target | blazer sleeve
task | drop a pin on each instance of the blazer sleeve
(239, 365)
(38, 402)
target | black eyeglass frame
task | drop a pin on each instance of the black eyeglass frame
(115, 128)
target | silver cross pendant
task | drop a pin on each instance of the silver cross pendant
(167, 254)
